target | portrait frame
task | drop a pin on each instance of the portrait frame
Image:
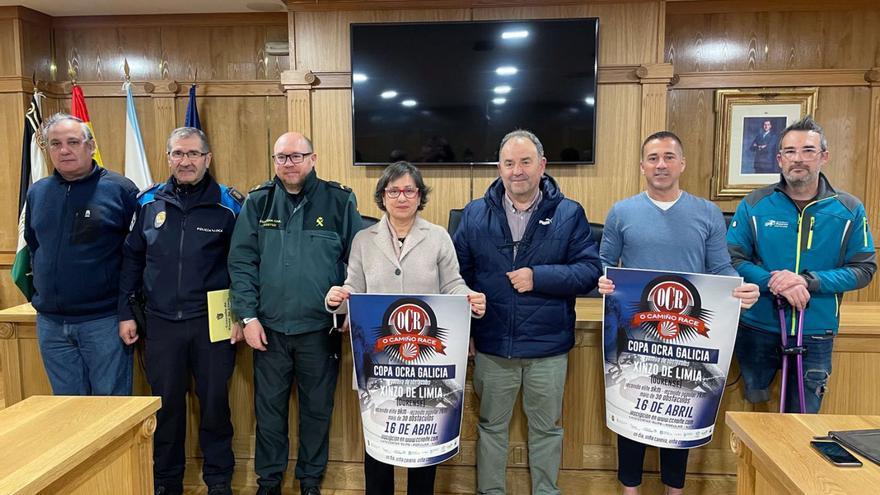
(745, 151)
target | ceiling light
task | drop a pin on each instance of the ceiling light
(507, 70)
(590, 100)
(408, 103)
(388, 94)
(499, 101)
(502, 90)
(510, 35)
(358, 77)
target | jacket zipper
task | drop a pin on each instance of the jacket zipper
(797, 259)
(180, 266)
(60, 237)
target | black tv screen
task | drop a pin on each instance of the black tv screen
(447, 92)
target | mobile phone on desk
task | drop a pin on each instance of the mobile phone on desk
(835, 453)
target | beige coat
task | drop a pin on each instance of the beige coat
(427, 265)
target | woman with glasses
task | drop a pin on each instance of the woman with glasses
(402, 254)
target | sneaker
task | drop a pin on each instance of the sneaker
(164, 490)
(310, 490)
(220, 489)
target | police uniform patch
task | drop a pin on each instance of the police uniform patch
(235, 194)
(159, 220)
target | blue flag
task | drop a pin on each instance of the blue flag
(192, 110)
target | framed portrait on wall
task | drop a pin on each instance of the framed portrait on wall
(748, 125)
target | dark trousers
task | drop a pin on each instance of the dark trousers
(313, 360)
(176, 350)
(631, 458)
(379, 478)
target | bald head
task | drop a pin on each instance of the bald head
(293, 138)
(294, 159)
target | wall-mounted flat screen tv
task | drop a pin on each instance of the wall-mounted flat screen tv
(447, 92)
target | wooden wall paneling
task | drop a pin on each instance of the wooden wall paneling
(692, 117)
(845, 115)
(99, 54)
(331, 135)
(222, 52)
(10, 154)
(872, 178)
(322, 38)
(9, 293)
(628, 31)
(9, 54)
(36, 47)
(299, 111)
(242, 130)
(164, 121)
(740, 41)
(616, 173)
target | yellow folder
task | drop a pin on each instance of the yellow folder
(220, 317)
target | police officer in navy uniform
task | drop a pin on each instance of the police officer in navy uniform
(175, 253)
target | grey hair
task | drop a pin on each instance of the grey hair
(395, 171)
(806, 124)
(186, 132)
(523, 134)
(59, 117)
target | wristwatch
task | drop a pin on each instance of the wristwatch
(247, 320)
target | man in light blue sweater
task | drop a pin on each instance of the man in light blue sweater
(664, 228)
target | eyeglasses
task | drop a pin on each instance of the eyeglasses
(295, 158)
(192, 155)
(408, 193)
(807, 154)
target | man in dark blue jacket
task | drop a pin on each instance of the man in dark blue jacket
(75, 222)
(176, 253)
(530, 250)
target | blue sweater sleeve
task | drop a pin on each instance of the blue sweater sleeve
(612, 243)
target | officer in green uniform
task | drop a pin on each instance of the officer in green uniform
(290, 245)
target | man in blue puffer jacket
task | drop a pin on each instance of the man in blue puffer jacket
(801, 241)
(530, 250)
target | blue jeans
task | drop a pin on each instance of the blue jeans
(85, 358)
(759, 357)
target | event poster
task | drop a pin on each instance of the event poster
(668, 340)
(410, 357)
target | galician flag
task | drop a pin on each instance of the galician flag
(33, 168)
(78, 109)
(136, 167)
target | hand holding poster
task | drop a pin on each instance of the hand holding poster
(668, 340)
(410, 357)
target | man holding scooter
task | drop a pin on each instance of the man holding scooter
(804, 244)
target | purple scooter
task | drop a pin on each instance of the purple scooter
(797, 350)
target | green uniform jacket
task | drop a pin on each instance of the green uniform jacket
(284, 258)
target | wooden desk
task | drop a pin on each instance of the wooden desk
(589, 454)
(78, 445)
(774, 455)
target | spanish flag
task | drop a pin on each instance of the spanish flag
(78, 109)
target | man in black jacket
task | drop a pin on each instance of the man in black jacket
(176, 253)
(75, 223)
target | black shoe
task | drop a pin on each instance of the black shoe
(310, 490)
(220, 489)
(164, 490)
(269, 490)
